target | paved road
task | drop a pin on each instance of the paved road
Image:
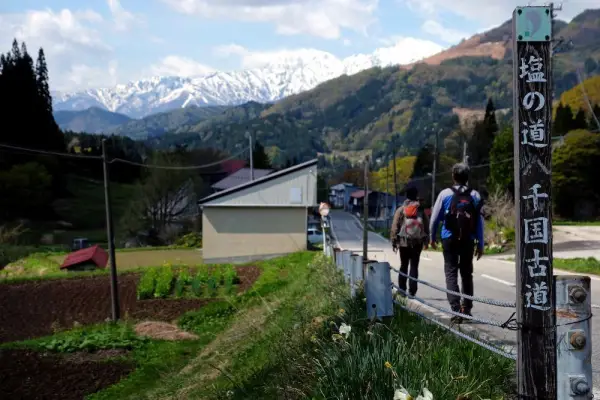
(493, 278)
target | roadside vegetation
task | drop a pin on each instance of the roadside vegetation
(588, 265)
(295, 334)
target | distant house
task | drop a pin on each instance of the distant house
(339, 195)
(239, 177)
(86, 259)
(381, 205)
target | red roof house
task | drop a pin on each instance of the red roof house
(86, 259)
(232, 166)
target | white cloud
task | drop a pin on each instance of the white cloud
(347, 42)
(491, 12)
(123, 19)
(321, 18)
(179, 66)
(447, 35)
(71, 41)
(259, 59)
(406, 50)
(399, 50)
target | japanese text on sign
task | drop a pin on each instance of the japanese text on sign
(534, 135)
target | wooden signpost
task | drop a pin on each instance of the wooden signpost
(532, 83)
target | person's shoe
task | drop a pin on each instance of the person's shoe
(466, 312)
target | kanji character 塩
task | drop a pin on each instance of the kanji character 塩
(533, 70)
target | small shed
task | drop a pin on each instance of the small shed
(86, 259)
(263, 218)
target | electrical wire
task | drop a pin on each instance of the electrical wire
(50, 153)
(187, 167)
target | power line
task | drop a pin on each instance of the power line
(188, 167)
(91, 157)
(49, 153)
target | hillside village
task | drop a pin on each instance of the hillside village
(166, 238)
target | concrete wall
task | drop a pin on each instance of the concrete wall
(242, 234)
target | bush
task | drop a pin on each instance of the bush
(192, 240)
(500, 226)
(230, 278)
(145, 289)
(164, 282)
(107, 337)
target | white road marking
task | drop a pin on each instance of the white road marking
(425, 258)
(498, 280)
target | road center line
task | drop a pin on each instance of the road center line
(498, 280)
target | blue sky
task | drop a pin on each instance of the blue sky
(99, 43)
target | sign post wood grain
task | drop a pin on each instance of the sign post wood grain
(532, 83)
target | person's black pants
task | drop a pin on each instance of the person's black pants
(409, 256)
(458, 258)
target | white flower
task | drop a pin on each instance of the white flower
(402, 394)
(345, 330)
(427, 395)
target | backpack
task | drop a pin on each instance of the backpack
(412, 227)
(461, 219)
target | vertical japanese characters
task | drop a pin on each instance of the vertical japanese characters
(534, 168)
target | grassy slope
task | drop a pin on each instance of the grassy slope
(582, 265)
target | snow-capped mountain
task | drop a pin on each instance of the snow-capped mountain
(288, 74)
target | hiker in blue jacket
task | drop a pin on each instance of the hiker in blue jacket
(458, 208)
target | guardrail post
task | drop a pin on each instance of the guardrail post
(337, 257)
(356, 273)
(573, 337)
(378, 287)
(346, 261)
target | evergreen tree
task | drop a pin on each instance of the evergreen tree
(592, 122)
(563, 121)
(424, 162)
(483, 136)
(502, 172)
(43, 86)
(580, 121)
(260, 158)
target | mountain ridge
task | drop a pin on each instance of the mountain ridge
(279, 79)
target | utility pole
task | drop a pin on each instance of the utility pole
(114, 285)
(434, 172)
(395, 178)
(366, 212)
(465, 160)
(535, 283)
(387, 193)
(250, 137)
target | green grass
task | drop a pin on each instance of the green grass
(575, 223)
(90, 338)
(584, 265)
(588, 265)
(373, 361)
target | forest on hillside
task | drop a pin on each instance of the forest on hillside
(52, 181)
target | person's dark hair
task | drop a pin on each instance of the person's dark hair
(460, 173)
(412, 193)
